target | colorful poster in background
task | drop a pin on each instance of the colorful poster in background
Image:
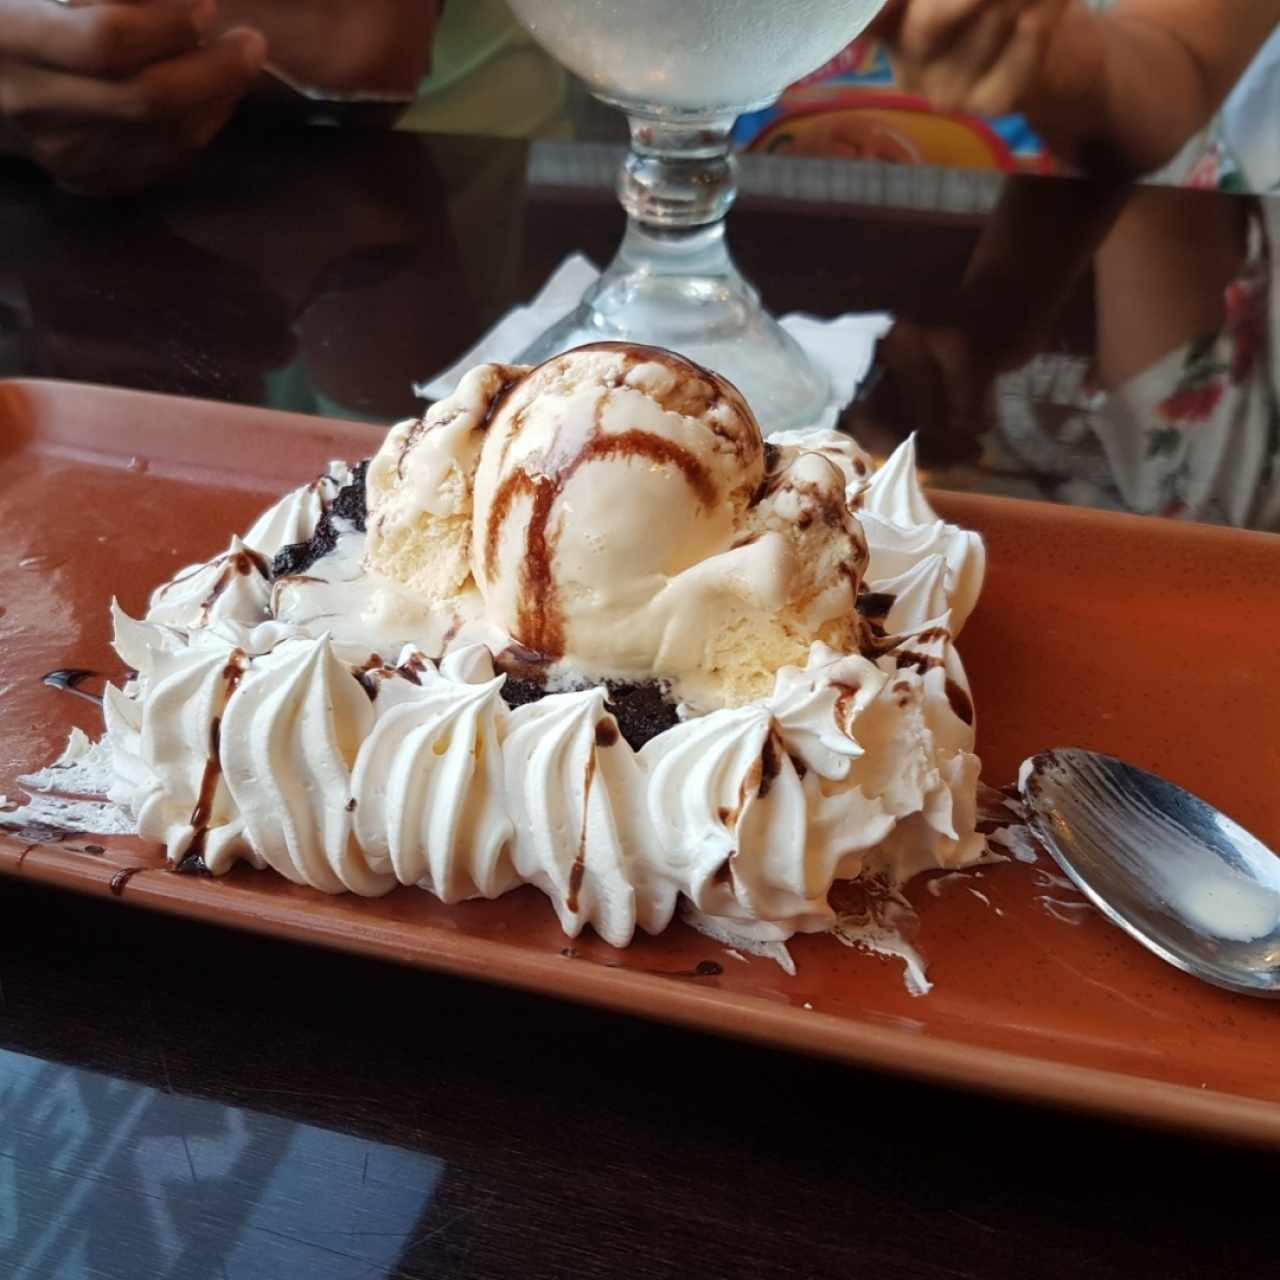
(851, 108)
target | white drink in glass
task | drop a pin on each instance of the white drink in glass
(698, 56)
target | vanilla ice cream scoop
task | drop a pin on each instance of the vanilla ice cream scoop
(607, 473)
(621, 518)
(418, 487)
(800, 516)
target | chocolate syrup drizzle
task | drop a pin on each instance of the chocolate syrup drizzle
(579, 870)
(192, 862)
(960, 701)
(367, 675)
(246, 561)
(539, 620)
(122, 878)
(907, 659)
(69, 680)
(703, 969)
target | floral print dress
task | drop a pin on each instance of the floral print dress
(1197, 435)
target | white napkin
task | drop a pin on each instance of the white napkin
(844, 347)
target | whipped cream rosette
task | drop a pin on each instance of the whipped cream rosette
(579, 627)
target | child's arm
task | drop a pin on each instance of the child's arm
(1116, 91)
(1123, 90)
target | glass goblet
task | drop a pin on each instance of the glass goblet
(683, 71)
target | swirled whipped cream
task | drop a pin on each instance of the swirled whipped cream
(579, 627)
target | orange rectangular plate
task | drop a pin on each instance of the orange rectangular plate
(1153, 641)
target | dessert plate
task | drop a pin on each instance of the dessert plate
(1148, 640)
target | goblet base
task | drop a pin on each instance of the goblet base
(682, 291)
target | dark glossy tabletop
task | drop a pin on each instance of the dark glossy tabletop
(178, 1101)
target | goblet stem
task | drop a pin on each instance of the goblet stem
(677, 183)
(678, 173)
(674, 284)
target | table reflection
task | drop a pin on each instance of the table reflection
(1171, 410)
(107, 1178)
(1080, 341)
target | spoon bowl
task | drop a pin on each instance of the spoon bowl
(1183, 879)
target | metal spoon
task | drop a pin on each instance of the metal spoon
(1168, 868)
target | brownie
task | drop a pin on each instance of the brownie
(348, 505)
(643, 709)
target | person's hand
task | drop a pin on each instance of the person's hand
(338, 49)
(980, 56)
(108, 96)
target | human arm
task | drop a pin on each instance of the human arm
(1116, 91)
(1123, 90)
